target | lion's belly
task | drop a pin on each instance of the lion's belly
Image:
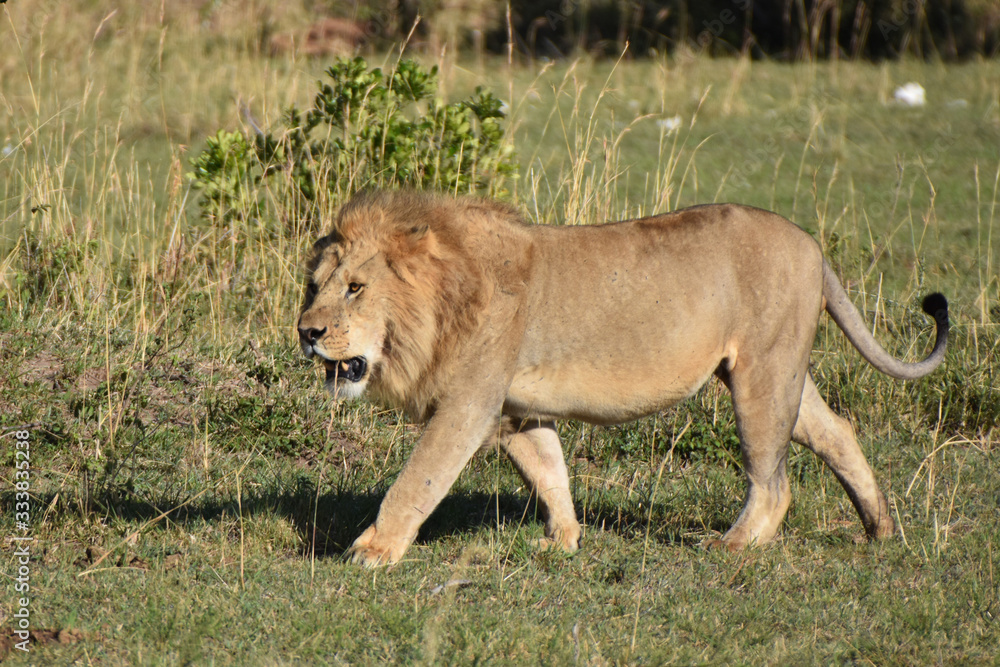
(600, 394)
(624, 320)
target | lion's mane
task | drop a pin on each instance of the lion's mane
(440, 287)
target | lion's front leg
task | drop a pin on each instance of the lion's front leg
(451, 438)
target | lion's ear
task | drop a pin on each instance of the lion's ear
(418, 232)
(417, 239)
(412, 248)
(326, 241)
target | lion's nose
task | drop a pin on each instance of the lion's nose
(311, 335)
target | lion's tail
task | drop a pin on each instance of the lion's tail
(850, 321)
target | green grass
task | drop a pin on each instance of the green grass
(175, 426)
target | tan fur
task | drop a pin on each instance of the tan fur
(479, 324)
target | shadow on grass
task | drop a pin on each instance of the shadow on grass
(329, 522)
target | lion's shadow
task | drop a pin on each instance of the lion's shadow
(342, 515)
(327, 523)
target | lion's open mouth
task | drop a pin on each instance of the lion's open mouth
(351, 370)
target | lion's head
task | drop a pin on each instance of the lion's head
(387, 290)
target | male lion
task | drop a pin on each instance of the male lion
(482, 325)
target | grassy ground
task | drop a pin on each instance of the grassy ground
(192, 488)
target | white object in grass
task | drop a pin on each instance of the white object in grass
(669, 125)
(912, 95)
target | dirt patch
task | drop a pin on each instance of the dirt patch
(345, 451)
(91, 379)
(48, 369)
(10, 638)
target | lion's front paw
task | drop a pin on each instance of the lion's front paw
(716, 544)
(373, 550)
(565, 539)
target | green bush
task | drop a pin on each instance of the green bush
(366, 129)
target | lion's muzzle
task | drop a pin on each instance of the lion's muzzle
(349, 370)
(308, 337)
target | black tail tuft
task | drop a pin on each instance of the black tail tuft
(936, 306)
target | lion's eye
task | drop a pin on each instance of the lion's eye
(354, 288)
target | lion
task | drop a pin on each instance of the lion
(484, 326)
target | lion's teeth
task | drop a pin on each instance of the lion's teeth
(344, 366)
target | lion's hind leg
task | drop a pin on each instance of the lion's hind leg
(536, 452)
(766, 394)
(831, 437)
